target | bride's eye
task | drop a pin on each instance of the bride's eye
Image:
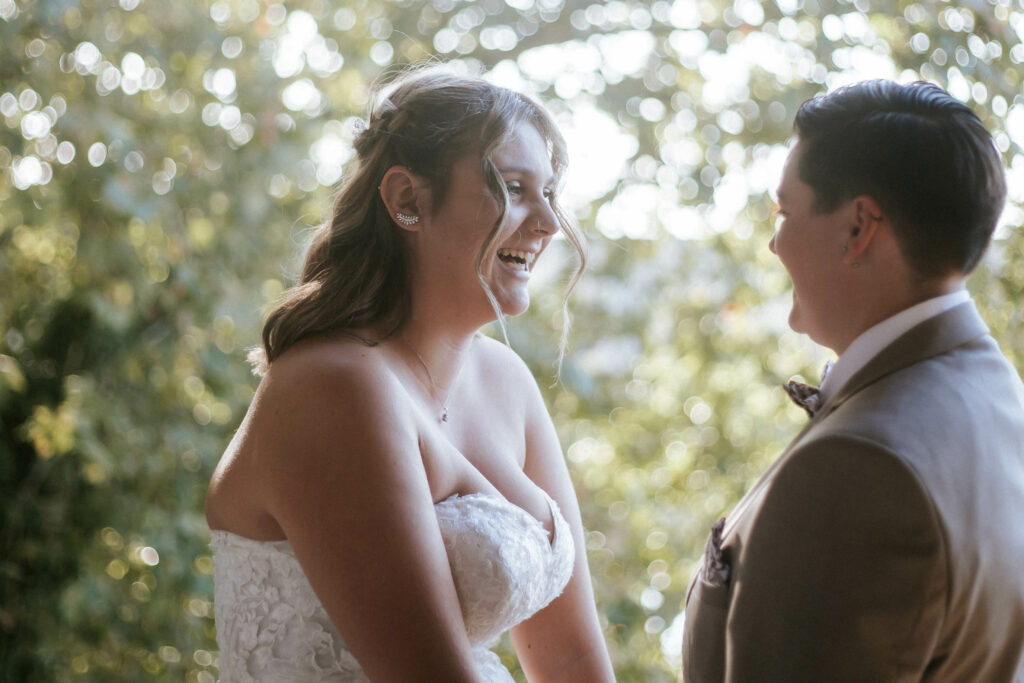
(514, 187)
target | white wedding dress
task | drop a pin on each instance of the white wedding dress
(272, 627)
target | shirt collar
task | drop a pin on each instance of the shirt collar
(874, 339)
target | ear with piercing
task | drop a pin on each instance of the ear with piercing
(406, 219)
(845, 249)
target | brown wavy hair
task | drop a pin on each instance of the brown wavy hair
(356, 273)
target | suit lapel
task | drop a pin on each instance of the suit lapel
(737, 512)
(937, 335)
(934, 336)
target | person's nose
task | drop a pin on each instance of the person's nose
(543, 220)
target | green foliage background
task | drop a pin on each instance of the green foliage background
(155, 173)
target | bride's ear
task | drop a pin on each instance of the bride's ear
(406, 195)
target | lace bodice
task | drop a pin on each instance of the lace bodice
(272, 627)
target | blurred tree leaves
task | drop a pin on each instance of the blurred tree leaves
(160, 162)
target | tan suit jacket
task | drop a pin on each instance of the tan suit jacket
(887, 542)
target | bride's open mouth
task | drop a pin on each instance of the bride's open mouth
(517, 260)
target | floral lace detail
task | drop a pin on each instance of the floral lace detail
(270, 624)
(514, 573)
(272, 627)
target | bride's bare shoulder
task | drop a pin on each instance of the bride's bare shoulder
(318, 403)
(330, 383)
(336, 363)
(325, 400)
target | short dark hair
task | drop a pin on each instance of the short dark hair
(923, 155)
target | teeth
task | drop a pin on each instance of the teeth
(514, 257)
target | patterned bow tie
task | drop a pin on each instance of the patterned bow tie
(805, 396)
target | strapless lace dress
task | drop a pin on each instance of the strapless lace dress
(272, 627)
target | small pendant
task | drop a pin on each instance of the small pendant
(444, 416)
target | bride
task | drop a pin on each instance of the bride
(396, 496)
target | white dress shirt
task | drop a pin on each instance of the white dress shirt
(874, 339)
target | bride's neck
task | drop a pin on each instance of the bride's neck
(443, 352)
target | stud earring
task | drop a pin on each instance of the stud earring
(856, 265)
(845, 249)
(406, 219)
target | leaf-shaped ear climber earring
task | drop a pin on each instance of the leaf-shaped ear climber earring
(406, 219)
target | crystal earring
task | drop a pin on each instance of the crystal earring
(406, 219)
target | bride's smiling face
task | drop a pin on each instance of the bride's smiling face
(465, 217)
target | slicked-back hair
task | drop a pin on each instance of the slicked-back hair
(923, 155)
(356, 271)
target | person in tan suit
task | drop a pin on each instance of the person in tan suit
(887, 541)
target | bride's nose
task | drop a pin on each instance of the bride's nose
(544, 221)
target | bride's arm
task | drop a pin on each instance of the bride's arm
(563, 642)
(342, 475)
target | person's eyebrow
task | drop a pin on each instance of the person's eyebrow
(521, 170)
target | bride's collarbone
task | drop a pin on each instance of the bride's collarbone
(480, 449)
(477, 435)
